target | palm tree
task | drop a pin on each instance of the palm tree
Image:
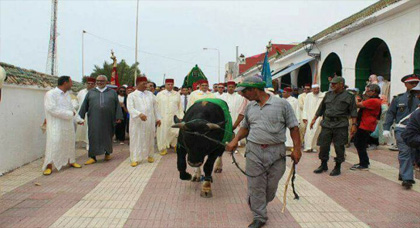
(125, 72)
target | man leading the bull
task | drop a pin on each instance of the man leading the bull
(264, 126)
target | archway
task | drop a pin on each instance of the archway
(417, 57)
(331, 66)
(304, 76)
(374, 58)
(286, 81)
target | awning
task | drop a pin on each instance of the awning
(291, 68)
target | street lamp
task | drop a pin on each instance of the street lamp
(83, 53)
(308, 45)
(218, 56)
(242, 59)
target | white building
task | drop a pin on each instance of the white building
(21, 116)
(383, 39)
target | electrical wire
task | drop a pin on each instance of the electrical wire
(145, 52)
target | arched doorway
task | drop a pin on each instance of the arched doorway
(374, 58)
(330, 67)
(304, 76)
(417, 57)
(286, 81)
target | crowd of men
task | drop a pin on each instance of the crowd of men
(270, 121)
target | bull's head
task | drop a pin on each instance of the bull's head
(193, 128)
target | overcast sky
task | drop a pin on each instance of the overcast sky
(172, 34)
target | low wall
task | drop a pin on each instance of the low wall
(21, 115)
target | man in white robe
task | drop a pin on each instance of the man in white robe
(301, 100)
(82, 130)
(220, 91)
(312, 102)
(235, 103)
(144, 117)
(202, 93)
(60, 116)
(169, 105)
(287, 94)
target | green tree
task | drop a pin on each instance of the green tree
(125, 72)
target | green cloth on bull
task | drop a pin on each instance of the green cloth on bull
(193, 76)
(228, 119)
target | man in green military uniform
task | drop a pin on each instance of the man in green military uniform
(335, 108)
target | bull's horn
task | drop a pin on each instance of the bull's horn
(213, 126)
(179, 125)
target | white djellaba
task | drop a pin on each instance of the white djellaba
(169, 104)
(59, 113)
(312, 102)
(142, 133)
(82, 130)
(295, 105)
(234, 102)
(2, 78)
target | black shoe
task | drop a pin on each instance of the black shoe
(399, 177)
(322, 168)
(256, 224)
(411, 181)
(359, 167)
(407, 184)
(185, 176)
(337, 170)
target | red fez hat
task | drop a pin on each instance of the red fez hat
(308, 84)
(203, 81)
(231, 83)
(141, 79)
(221, 84)
(90, 79)
(169, 80)
(288, 89)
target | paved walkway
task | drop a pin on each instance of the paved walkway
(113, 194)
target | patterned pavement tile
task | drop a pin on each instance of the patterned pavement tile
(112, 200)
(113, 194)
(41, 200)
(169, 202)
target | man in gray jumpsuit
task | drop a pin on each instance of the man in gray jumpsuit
(401, 106)
(336, 107)
(264, 125)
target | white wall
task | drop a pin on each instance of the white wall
(399, 31)
(21, 115)
(398, 25)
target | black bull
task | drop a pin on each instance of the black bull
(203, 119)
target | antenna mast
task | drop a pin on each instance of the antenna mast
(52, 47)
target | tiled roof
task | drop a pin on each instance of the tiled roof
(21, 76)
(346, 22)
(253, 60)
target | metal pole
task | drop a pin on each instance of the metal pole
(218, 56)
(137, 32)
(83, 53)
(235, 74)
